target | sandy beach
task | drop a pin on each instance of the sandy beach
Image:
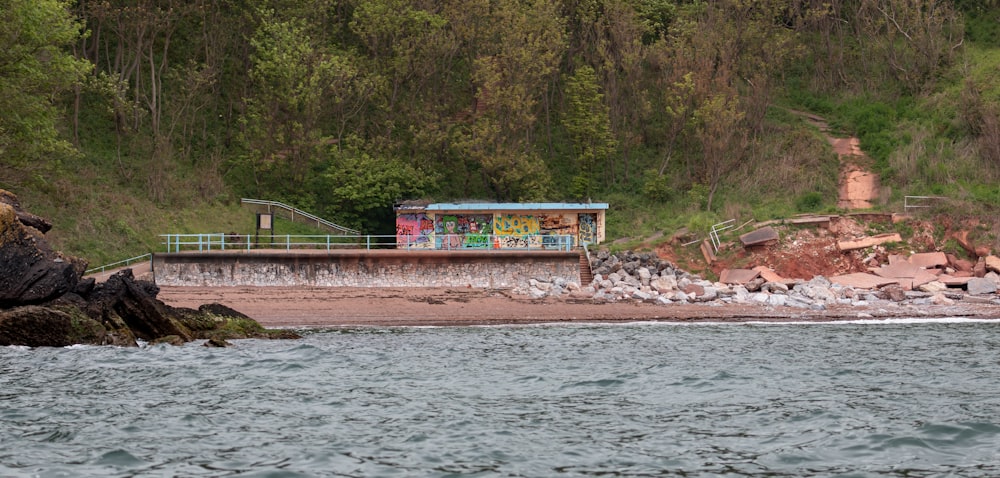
(339, 307)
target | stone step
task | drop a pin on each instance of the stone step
(586, 274)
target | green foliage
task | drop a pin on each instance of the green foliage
(809, 202)
(589, 125)
(697, 196)
(657, 187)
(702, 222)
(360, 189)
(35, 70)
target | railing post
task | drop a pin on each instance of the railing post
(327, 242)
(288, 239)
(200, 239)
(222, 239)
(368, 242)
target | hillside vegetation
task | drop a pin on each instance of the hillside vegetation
(126, 119)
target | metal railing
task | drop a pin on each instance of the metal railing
(292, 212)
(918, 202)
(223, 242)
(113, 265)
(716, 229)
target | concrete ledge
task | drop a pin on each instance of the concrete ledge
(365, 268)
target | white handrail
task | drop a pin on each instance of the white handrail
(293, 211)
(222, 241)
(117, 264)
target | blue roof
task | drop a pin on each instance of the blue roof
(516, 206)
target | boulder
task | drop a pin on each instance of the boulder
(30, 272)
(121, 300)
(36, 326)
(980, 286)
(28, 219)
(664, 284)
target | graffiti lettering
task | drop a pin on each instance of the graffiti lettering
(410, 231)
(588, 228)
(514, 225)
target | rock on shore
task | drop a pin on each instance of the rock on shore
(630, 276)
(45, 302)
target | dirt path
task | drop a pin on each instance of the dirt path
(858, 187)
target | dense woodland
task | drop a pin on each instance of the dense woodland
(114, 110)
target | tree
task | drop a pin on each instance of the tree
(723, 138)
(35, 69)
(296, 84)
(359, 188)
(589, 126)
(512, 74)
(914, 38)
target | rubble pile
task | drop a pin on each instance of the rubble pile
(631, 276)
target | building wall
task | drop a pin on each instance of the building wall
(383, 268)
(453, 231)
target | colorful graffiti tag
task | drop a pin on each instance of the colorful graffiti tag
(588, 228)
(414, 230)
(516, 225)
(470, 231)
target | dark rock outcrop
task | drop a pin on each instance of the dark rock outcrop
(30, 272)
(44, 301)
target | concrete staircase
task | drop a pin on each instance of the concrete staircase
(586, 273)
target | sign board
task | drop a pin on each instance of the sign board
(264, 221)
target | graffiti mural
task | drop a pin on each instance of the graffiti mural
(516, 225)
(414, 230)
(472, 231)
(588, 228)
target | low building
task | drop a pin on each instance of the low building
(499, 225)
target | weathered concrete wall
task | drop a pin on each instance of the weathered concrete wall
(382, 268)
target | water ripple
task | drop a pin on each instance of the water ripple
(643, 400)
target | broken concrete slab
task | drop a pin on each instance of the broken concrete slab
(759, 237)
(809, 220)
(929, 260)
(708, 252)
(992, 263)
(908, 275)
(861, 243)
(899, 269)
(771, 276)
(861, 280)
(954, 281)
(738, 276)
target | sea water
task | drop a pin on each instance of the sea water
(843, 399)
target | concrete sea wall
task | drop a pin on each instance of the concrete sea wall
(378, 268)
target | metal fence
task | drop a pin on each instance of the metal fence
(222, 242)
(113, 265)
(919, 202)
